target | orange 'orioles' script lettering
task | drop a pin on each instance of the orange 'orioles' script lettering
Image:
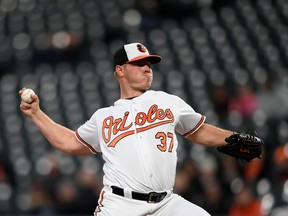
(120, 127)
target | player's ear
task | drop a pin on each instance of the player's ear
(118, 71)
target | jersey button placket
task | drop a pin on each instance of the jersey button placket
(142, 148)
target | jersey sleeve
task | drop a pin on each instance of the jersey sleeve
(189, 120)
(88, 135)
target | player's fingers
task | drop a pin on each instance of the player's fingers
(34, 97)
(24, 106)
(21, 91)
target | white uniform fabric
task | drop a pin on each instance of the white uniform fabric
(138, 141)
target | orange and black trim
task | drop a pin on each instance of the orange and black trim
(196, 127)
(85, 143)
(100, 204)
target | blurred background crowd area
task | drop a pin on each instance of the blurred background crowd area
(227, 59)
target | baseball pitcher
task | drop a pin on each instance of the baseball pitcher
(137, 140)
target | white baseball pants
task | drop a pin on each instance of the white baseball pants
(110, 204)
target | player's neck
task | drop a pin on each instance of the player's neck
(132, 94)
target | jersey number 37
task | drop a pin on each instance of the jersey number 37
(166, 140)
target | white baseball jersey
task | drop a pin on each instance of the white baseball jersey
(138, 141)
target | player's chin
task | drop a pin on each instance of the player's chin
(147, 85)
(144, 88)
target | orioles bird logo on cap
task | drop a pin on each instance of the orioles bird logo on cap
(141, 48)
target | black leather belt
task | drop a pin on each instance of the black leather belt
(152, 197)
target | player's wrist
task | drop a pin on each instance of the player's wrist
(37, 114)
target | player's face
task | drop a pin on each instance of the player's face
(139, 75)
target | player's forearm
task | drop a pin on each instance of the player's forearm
(60, 137)
(210, 135)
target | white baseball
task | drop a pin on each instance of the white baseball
(26, 95)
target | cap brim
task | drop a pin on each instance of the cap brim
(154, 59)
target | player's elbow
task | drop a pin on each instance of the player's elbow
(73, 147)
(76, 150)
(81, 151)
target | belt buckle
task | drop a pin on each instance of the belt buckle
(150, 197)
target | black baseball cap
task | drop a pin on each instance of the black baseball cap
(134, 52)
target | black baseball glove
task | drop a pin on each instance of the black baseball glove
(242, 146)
